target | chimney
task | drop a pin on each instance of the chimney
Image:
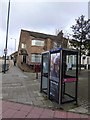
(60, 34)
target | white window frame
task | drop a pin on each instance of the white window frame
(36, 58)
(23, 45)
(37, 42)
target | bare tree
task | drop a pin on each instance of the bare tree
(60, 40)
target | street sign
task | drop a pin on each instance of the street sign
(5, 51)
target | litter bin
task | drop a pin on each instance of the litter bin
(6, 67)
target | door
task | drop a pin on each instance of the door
(54, 76)
(45, 73)
(69, 76)
(24, 58)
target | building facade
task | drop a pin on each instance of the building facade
(85, 59)
(32, 44)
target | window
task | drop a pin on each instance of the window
(38, 42)
(23, 45)
(54, 45)
(35, 58)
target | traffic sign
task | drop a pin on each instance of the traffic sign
(5, 51)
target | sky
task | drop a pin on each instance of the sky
(38, 16)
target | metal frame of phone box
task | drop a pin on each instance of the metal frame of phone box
(62, 81)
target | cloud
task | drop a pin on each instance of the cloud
(39, 16)
(43, 15)
(89, 9)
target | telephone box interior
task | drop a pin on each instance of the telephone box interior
(59, 75)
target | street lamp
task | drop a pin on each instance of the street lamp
(5, 50)
(15, 43)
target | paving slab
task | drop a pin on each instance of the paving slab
(28, 111)
(22, 87)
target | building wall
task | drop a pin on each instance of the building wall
(86, 60)
(27, 39)
(24, 36)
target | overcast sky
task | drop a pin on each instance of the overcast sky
(43, 17)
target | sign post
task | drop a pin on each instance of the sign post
(6, 37)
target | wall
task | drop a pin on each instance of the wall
(27, 39)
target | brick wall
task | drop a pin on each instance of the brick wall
(27, 39)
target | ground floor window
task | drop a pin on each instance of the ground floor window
(35, 57)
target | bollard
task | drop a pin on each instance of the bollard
(36, 75)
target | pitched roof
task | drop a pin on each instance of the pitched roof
(40, 35)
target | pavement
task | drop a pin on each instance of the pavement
(16, 110)
(23, 89)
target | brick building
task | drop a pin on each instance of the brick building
(32, 44)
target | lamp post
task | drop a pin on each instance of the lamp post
(15, 43)
(5, 50)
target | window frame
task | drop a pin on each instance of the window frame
(23, 45)
(34, 42)
(34, 55)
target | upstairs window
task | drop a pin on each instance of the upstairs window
(38, 42)
(23, 45)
